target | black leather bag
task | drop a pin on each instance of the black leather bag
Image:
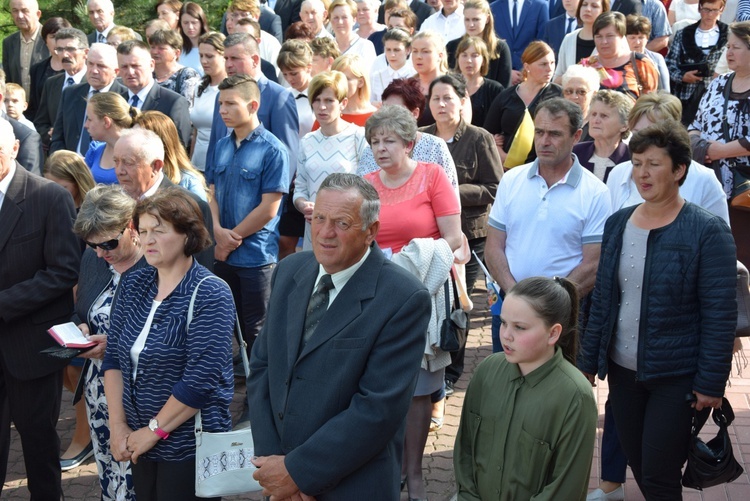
(713, 462)
(454, 328)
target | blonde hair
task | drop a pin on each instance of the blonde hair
(68, 166)
(113, 106)
(176, 159)
(438, 43)
(343, 3)
(355, 64)
(334, 80)
(488, 35)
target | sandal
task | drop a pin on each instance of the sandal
(436, 423)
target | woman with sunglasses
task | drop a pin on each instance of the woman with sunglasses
(105, 223)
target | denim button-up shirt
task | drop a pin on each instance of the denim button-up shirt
(241, 176)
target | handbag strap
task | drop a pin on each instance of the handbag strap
(723, 416)
(237, 333)
(447, 298)
(725, 105)
(634, 64)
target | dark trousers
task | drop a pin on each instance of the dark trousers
(165, 480)
(251, 288)
(653, 420)
(456, 368)
(614, 461)
(34, 407)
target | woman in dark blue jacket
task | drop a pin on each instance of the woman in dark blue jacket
(664, 313)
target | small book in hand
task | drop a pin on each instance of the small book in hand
(70, 336)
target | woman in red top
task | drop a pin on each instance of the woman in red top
(417, 201)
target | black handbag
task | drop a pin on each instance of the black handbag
(713, 462)
(454, 329)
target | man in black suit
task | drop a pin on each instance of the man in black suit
(102, 16)
(73, 45)
(288, 12)
(419, 8)
(137, 74)
(68, 132)
(139, 159)
(30, 143)
(24, 47)
(39, 261)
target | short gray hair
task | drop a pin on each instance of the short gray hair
(585, 73)
(147, 146)
(107, 208)
(108, 53)
(74, 33)
(369, 211)
(249, 44)
(392, 118)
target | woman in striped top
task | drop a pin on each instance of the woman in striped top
(158, 370)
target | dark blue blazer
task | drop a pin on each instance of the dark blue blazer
(277, 113)
(534, 17)
(554, 32)
(318, 404)
(69, 122)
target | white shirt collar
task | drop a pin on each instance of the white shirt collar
(155, 186)
(5, 183)
(340, 278)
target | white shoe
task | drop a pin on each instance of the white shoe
(599, 495)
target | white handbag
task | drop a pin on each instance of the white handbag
(222, 459)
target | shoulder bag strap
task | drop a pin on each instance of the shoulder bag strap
(237, 333)
(634, 64)
(725, 104)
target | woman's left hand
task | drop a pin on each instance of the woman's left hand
(714, 151)
(98, 350)
(702, 401)
(141, 441)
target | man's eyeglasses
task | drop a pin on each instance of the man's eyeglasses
(63, 50)
(709, 11)
(109, 244)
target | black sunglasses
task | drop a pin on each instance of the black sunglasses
(109, 244)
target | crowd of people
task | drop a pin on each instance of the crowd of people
(321, 181)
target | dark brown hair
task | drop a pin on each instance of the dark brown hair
(175, 206)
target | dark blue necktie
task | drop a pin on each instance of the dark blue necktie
(570, 25)
(515, 14)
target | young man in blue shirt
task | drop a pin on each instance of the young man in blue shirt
(247, 178)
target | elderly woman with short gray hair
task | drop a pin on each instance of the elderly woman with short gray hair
(417, 202)
(105, 223)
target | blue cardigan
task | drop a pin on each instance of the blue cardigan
(194, 366)
(688, 311)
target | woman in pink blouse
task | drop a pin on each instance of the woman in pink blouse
(417, 201)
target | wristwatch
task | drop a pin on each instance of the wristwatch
(153, 425)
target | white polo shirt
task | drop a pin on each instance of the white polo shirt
(701, 187)
(547, 227)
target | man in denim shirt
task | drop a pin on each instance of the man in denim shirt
(248, 177)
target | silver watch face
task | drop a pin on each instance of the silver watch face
(153, 424)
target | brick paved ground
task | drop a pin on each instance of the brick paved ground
(82, 484)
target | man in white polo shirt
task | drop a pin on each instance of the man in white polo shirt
(548, 216)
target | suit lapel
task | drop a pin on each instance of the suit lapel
(152, 99)
(504, 19)
(10, 212)
(348, 303)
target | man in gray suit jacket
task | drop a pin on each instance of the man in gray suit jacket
(17, 62)
(329, 389)
(144, 93)
(39, 261)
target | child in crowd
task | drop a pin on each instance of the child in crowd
(529, 418)
(15, 104)
(325, 51)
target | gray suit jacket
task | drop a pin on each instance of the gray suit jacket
(337, 408)
(30, 152)
(174, 106)
(69, 119)
(12, 55)
(39, 261)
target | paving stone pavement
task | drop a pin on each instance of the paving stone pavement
(81, 484)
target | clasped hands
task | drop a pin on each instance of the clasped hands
(275, 480)
(129, 445)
